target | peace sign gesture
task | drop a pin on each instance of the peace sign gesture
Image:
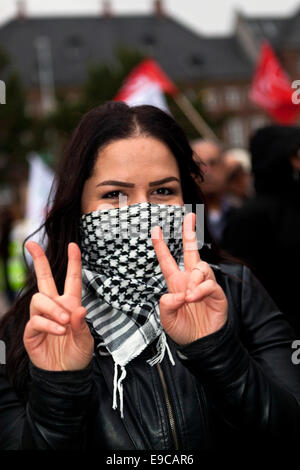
(195, 305)
(57, 336)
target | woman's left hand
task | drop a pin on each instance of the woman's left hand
(195, 305)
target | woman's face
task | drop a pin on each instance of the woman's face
(142, 169)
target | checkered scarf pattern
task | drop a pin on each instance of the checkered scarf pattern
(122, 279)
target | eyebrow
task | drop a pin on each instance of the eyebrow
(164, 180)
(131, 185)
(115, 183)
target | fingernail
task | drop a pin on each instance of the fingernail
(189, 292)
(60, 329)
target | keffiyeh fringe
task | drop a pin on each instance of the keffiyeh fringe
(162, 347)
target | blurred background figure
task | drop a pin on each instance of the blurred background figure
(265, 232)
(208, 154)
(5, 290)
(239, 184)
(12, 267)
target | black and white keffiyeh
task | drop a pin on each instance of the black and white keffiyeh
(122, 279)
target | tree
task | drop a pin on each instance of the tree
(102, 84)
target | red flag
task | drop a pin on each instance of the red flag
(148, 72)
(271, 88)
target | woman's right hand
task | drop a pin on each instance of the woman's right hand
(57, 336)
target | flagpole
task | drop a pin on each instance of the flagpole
(149, 71)
(194, 117)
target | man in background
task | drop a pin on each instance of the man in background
(239, 182)
(265, 232)
(209, 156)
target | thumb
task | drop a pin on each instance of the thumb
(78, 323)
(169, 304)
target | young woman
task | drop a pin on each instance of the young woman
(148, 344)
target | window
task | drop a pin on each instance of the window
(210, 99)
(196, 60)
(255, 27)
(235, 132)
(232, 97)
(149, 39)
(270, 28)
(74, 47)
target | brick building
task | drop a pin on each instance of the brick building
(217, 69)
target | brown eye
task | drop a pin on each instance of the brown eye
(112, 195)
(163, 191)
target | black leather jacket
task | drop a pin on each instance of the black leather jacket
(237, 385)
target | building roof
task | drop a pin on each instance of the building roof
(279, 31)
(77, 42)
(267, 28)
(223, 58)
(291, 32)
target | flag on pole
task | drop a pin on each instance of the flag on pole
(271, 88)
(146, 84)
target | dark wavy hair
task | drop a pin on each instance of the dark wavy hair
(271, 147)
(100, 126)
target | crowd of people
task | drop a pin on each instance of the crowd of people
(253, 203)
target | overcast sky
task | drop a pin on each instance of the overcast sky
(206, 16)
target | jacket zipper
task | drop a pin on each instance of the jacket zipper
(169, 407)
